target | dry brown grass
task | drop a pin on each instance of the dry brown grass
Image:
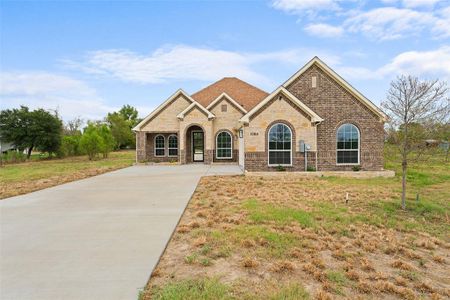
(250, 262)
(259, 239)
(398, 264)
(284, 266)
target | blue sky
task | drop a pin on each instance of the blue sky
(87, 58)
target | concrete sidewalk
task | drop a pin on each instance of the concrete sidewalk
(97, 238)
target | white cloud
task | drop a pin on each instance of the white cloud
(413, 3)
(305, 6)
(389, 23)
(357, 73)
(37, 89)
(441, 28)
(182, 62)
(168, 63)
(395, 19)
(433, 63)
(419, 3)
(324, 30)
(428, 64)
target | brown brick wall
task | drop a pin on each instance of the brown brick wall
(336, 106)
(150, 151)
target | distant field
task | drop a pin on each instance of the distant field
(16, 179)
(292, 238)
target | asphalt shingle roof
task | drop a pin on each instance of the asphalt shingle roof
(247, 95)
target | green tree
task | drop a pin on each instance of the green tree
(47, 129)
(108, 140)
(442, 133)
(70, 145)
(130, 114)
(91, 142)
(121, 130)
(31, 129)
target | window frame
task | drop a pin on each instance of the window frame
(168, 145)
(348, 150)
(159, 148)
(282, 150)
(231, 144)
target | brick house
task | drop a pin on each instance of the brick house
(315, 120)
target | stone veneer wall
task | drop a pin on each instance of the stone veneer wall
(337, 106)
(140, 146)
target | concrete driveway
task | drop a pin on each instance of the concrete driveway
(97, 238)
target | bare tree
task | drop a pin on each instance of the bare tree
(73, 127)
(412, 105)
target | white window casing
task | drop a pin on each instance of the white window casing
(284, 139)
(159, 146)
(221, 148)
(171, 140)
(348, 144)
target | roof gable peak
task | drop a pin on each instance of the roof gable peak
(341, 81)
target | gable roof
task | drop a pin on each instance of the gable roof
(245, 94)
(163, 105)
(225, 95)
(182, 114)
(314, 117)
(318, 62)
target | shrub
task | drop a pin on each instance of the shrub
(356, 168)
(91, 143)
(108, 140)
(13, 156)
(310, 169)
(97, 138)
(280, 168)
(70, 145)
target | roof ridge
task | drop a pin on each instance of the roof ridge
(231, 77)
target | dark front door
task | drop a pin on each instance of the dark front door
(198, 146)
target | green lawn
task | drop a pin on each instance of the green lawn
(36, 174)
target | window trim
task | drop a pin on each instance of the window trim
(168, 145)
(268, 148)
(344, 150)
(155, 148)
(217, 148)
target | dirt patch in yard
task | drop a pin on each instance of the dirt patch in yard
(298, 238)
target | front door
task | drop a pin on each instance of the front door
(198, 146)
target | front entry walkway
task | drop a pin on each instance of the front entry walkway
(97, 238)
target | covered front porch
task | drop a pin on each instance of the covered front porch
(195, 144)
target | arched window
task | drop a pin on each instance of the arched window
(159, 146)
(347, 147)
(173, 145)
(224, 145)
(280, 145)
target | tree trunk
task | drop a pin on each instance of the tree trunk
(404, 168)
(29, 152)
